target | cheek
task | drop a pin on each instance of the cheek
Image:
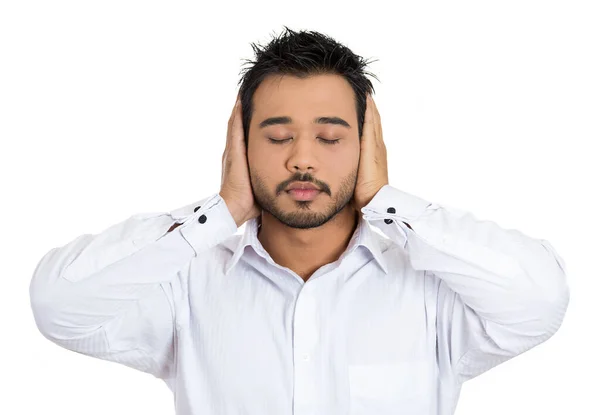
(257, 156)
(261, 164)
(345, 159)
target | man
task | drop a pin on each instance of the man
(320, 314)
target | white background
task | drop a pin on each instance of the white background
(117, 107)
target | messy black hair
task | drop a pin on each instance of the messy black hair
(303, 54)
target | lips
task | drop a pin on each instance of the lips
(302, 186)
(308, 194)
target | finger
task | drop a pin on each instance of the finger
(237, 126)
(368, 122)
(376, 121)
(232, 117)
(233, 110)
(375, 110)
(375, 117)
(230, 127)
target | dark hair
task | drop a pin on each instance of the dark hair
(303, 54)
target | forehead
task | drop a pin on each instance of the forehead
(304, 99)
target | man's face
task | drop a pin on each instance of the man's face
(306, 156)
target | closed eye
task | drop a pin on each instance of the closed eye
(330, 142)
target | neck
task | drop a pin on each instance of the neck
(306, 250)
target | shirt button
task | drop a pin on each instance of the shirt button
(196, 208)
(202, 219)
(305, 357)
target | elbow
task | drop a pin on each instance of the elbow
(55, 303)
(544, 315)
(545, 293)
(552, 286)
(556, 309)
(60, 319)
(54, 310)
(534, 318)
(554, 297)
(43, 303)
(44, 308)
(61, 309)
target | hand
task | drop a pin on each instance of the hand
(236, 189)
(372, 167)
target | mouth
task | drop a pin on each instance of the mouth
(303, 194)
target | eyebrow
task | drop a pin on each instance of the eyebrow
(319, 120)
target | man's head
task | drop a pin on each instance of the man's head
(306, 91)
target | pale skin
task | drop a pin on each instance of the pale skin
(304, 235)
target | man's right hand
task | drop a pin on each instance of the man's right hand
(236, 189)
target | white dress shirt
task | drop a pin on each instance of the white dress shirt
(394, 326)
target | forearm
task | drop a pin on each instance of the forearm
(93, 279)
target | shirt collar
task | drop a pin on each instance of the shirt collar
(363, 235)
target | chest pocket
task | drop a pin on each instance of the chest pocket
(389, 387)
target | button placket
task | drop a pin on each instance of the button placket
(305, 340)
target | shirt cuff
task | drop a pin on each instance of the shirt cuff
(392, 203)
(392, 210)
(206, 223)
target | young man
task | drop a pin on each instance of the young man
(320, 315)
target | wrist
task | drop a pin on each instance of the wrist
(234, 211)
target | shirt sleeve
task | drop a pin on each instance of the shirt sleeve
(500, 293)
(113, 295)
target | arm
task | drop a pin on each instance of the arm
(113, 295)
(501, 292)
